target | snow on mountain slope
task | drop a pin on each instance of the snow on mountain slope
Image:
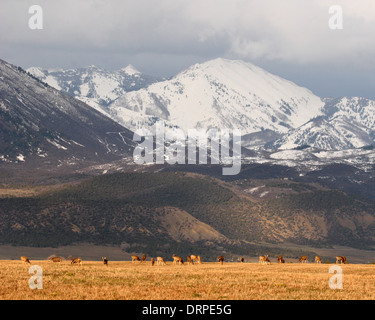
(360, 110)
(40, 125)
(223, 94)
(93, 85)
(348, 123)
(131, 70)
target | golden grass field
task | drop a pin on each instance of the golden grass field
(208, 281)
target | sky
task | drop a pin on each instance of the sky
(290, 38)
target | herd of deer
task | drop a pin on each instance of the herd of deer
(159, 260)
(176, 259)
(190, 260)
(303, 259)
(78, 261)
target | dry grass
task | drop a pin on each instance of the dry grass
(20, 192)
(31, 191)
(211, 281)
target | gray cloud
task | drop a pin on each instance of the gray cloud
(162, 37)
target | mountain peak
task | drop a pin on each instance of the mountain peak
(222, 63)
(130, 70)
(92, 66)
(222, 93)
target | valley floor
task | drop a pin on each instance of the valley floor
(208, 281)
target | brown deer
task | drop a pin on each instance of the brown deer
(160, 260)
(220, 259)
(56, 259)
(303, 259)
(76, 261)
(143, 258)
(340, 259)
(194, 258)
(242, 260)
(264, 260)
(280, 259)
(177, 259)
(318, 259)
(189, 260)
(105, 261)
(152, 261)
(136, 258)
(25, 260)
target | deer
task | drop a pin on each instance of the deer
(105, 261)
(196, 259)
(189, 260)
(340, 259)
(318, 259)
(220, 259)
(264, 260)
(143, 258)
(76, 261)
(56, 259)
(160, 260)
(242, 260)
(152, 261)
(280, 259)
(25, 260)
(136, 258)
(177, 259)
(303, 259)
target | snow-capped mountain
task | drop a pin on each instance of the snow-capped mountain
(45, 126)
(347, 123)
(222, 94)
(92, 85)
(360, 110)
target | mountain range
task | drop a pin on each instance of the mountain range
(274, 112)
(67, 172)
(347, 123)
(94, 85)
(43, 126)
